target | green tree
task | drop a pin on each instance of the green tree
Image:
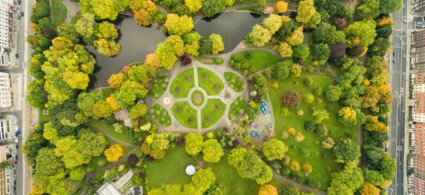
(274, 149)
(360, 33)
(35, 141)
(320, 52)
(249, 165)
(37, 96)
(348, 181)
(374, 177)
(68, 31)
(333, 93)
(178, 25)
(351, 117)
(327, 33)
(155, 145)
(212, 151)
(272, 23)
(192, 43)
(284, 49)
(166, 54)
(301, 52)
(194, 143)
(320, 115)
(77, 174)
(389, 6)
(387, 167)
(85, 25)
(203, 179)
(47, 165)
(217, 43)
(306, 11)
(107, 9)
(193, 5)
(346, 151)
(259, 36)
(212, 7)
(282, 69)
(137, 111)
(368, 9)
(309, 98)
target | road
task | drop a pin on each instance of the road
(397, 123)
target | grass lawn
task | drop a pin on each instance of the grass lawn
(160, 115)
(182, 84)
(59, 12)
(106, 91)
(237, 108)
(159, 87)
(212, 112)
(234, 81)
(109, 130)
(254, 60)
(312, 143)
(171, 169)
(185, 114)
(197, 98)
(209, 81)
(254, 1)
(43, 115)
(229, 180)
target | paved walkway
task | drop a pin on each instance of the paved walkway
(72, 9)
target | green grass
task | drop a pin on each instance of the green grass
(254, 1)
(209, 81)
(252, 61)
(171, 169)
(42, 117)
(308, 60)
(229, 180)
(185, 114)
(212, 112)
(193, 98)
(322, 168)
(109, 129)
(234, 81)
(182, 84)
(59, 12)
(159, 87)
(237, 107)
(106, 91)
(160, 115)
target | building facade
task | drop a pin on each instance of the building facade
(418, 6)
(5, 91)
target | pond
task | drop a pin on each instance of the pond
(232, 26)
(137, 41)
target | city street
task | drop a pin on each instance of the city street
(397, 123)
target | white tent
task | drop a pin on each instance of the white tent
(190, 170)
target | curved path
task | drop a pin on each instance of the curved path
(110, 136)
(299, 186)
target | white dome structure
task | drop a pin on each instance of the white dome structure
(190, 170)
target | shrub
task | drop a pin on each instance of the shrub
(284, 111)
(305, 152)
(307, 81)
(285, 135)
(275, 85)
(294, 166)
(321, 130)
(299, 137)
(218, 61)
(300, 112)
(291, 99)
(291, 131)
(309, 126)
(307, 168)
(286, 160)
(328, 143)
(309, 98)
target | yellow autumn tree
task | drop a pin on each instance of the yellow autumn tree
(369, 189)
(115, 80)
(114, 152)
(113, 103)
(307, 168)
(268, 189)
(294, 166)
(285, 50)
(385, 21)
(153, 60)
(35, 190)
(142, 17)
(296, 38)
(281, 6)
(193, 5)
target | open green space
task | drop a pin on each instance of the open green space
(209, 81)
(251, 61)
(109, 129)
(59, 12)
(160, 115)
(237, 107)
(234, 81)
(212, 112)
(197, 98)
(309, 150)
(230, 181)
(182, 84)
(171, 169)
(185, 114)
(158, 88)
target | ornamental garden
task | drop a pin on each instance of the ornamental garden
(299, 105)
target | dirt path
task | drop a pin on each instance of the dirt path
(299, 186)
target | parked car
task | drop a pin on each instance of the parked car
(16, 55)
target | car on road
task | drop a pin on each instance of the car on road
(16, 55)
(19, 2)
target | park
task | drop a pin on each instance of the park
(259, 97)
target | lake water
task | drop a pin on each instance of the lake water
(137, 41)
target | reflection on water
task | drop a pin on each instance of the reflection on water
(137, 41)
(232, 26)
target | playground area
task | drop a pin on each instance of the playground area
(261, 128)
